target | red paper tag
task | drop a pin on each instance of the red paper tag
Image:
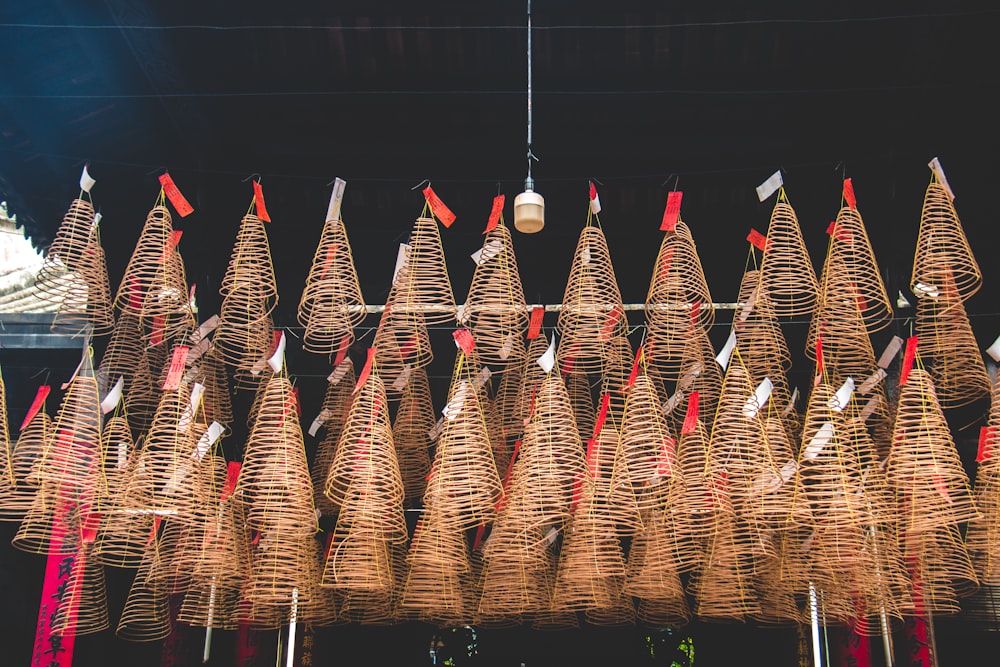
(602, 415)
(298, 401)
(664, 464)
(438, 208)
(156, 335)
(177, 362)
(695, 311)
(366, 370)
(89, 524)
(849, 194)
(478, 540)
(593, 449)
(985, 444)
(570, 359)
(608, 328)
(691, 418)
(464, 341)
(154, 529)
(495, 212)
(258, 200)
(345, 343)
(255, 537)
(535, 325)
(182, 205)
(819, 358)
(36, 405)
(671, 212)
(635, 368)
(757, 239)
(327, 546)
(232, 476)
(593, 191)
(175, 238)
(908, 356)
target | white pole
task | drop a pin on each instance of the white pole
(814, 618)
(293, 618)
(208, 628)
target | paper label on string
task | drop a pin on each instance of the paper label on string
(180, 203)
(672, 402)
(339, 371)
(788, 470)
(920, 289)
(36, 405)
(402, 256)
(635, 368)
(462, 315)
(686, 380)
(484, 376)
(994, 350)
(822, 438)
(770, 186)
(890, 352)
(277, 360)
(535, 325)
(551, 536)
(595, 200)
(585, 255)
(548, 360)
(748, 305)
(791, 403)
(399, 384)
(207, 439)
(86, 181)
(938, 170)
(852, 202)
(757, 239)
(901, 301)
(321, 418)
(870, 407)
(454, 406)
(489, 250)
(839, 400)
(205, 328)
(336, 199)
(438, 208)
(232, 477)
(122, 454)
(177, 362)
(464, 340)
(727, 350)
(671, 212)
(436, 429)
(184, 421)
(97, 220)
(908, 357)
(495, 213)
(114, 396)
(198, 349)
(691, 417)
(366, 371)
(760, 396)
(258, 200)
(873, 379)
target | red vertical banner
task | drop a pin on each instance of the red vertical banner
(852, 202)
(258, 200)
(438, 207)
(671, 212)
(855, 649)
(909, 355)
(495, 213)
(52, 649)
(180, 202)
(535, 325)
(36, 405)
(757, 239)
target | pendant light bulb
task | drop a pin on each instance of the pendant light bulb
(529, 206)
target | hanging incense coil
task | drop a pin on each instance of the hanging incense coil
(502, 449)
(519, 411)
(438, 582)
(506, 400)
(123, 355)
(250, 263)
(723, 587)
(463, 486)
(117, 446)
(125, 534)
(762, 344)
(616, 508)
(693, 505)
(983, 536)
(940, 570)
(320, 609)
(336, 405)
(592, 314)
(698, 372)
(849, 244)
(411, 435)
(421, 286)
(943, 252)
(68, 251)
(619, 610)
(551, 458)
(84, 292)
(146, 616)
(786, 272)
(646, 454)
(243, 337)
(279, 575)
(515, 579)
(216, 403)
(923, 466)
(949, 346)
(402, 343)
(19, 481)
(142, 396)
(678, 294)
(274, 482)
(332, 303)
(495, 310)
(582, 400)
(654, 570)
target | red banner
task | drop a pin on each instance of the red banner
(691, 418)
(366, 371)
(177, 362)
(345, 343)
(671, 212)
(438, 207)
(908, 356)
(464, 340)
(36, 405)
(985, 451)
(495, 213)
(51, 649)
(757, 239)
(258, 200)
(180, 203)
(849, 194)
(535, 325)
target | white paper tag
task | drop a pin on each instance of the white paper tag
(921, 289)
(727, 350)
(551, 536)
(454, 406)
(791, 403)
(839, 401)
(585, 255)
(489, 250)
(672, 402)
(340, 371)
(205, 328)
(870, 407)
(196, 352)
(83, 358)
(277, 359)
(873, 379)
(461, 316)
(890, 352)
(321, 418)
(770, 186)
(86, 181)
(336, 199)
(938, 170)
(788, 470)
(507, 347)
(822, 438)
(994, 350)
(902, 301)
(399, 384)
(484, 376)
(97, 220)
(548, 360)
(748, 305)
(208, 438)
(688, 378)
(114, 396)
(759, 398)
(122, 455)
(402, 255)
(436, 430)
(184, 422)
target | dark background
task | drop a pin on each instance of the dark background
(638, 95)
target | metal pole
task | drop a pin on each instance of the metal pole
(883, 616)
(208, 629)
(293, 619)
(814, 619)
